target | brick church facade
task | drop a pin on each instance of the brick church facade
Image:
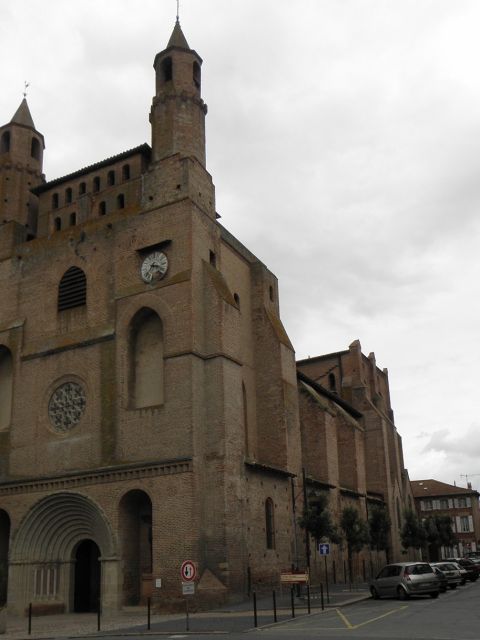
(150, 405)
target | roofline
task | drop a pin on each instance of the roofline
(144, 149)
(328, 394)
(323, 357)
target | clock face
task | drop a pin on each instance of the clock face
(154, 267)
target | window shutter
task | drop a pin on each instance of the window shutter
(72, 290)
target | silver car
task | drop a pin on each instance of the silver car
(405, 579)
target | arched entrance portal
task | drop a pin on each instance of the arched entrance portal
(86, 594)
(61, 533)
(136, 546)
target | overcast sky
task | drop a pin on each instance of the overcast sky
(343, 137)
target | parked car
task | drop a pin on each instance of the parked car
(404, 579)
(472, 568)
(441, 578)
(451, 573)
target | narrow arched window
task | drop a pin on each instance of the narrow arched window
(82, 188)
(35, 149)
(146, 360)
(6, 387)
(126, 172)
(68, 195)
(72, 290)
(57, 224)
(120, 201)
(96, 184)
(73, 219)
(332, 383)
(5, 142)
(269, 523)
(167, 69)
(111, 178)
(245, 419)
(196, 74)
(55, 201)
(102, 208)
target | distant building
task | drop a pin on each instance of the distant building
(460, 504)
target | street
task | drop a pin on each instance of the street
(453, 616)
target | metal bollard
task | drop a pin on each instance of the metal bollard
(255, 617)
(148, 614)
(30, 619)
(292, 596)
(274, 606)
(308, 598)
(321, 597)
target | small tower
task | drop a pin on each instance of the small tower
(21, 162)
(178, 111)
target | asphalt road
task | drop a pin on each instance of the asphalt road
(455, 615)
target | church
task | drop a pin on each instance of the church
(151, 409)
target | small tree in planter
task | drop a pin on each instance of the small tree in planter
(379, 528)
(413, 534)
(355, 531)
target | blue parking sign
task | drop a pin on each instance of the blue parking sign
(324, 548)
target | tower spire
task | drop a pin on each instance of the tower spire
(178, 111)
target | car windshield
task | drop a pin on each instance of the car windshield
(417, 569)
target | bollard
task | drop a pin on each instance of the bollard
(308, 598)
(148, 614)
(187, 617)
(321, 597)
(364, 572)
(255, 618)
(345, 572)
(274, 606)
(98, 616)
(30, 619)
(293, 602)
(334, 573)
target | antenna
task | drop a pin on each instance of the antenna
(25, 87)
(467, 476)
(178, 10)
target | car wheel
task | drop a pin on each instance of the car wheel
(401, 594)
(462, 583)
(453, 586)
(434, 594)
(374, 593)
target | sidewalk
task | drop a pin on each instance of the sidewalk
(133, 620)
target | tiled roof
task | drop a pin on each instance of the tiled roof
(431, 488)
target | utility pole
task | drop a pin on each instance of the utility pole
(305, 509)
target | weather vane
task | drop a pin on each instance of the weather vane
(178, 10)
(26, 85)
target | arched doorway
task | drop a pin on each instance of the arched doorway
(53, 538)
(87, 580)
(136, 546)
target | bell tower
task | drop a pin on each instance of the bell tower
(178, 111)
(21, 162)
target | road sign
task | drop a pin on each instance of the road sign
(188, 588)
(188, 571)
(324, 548)
(293, 578)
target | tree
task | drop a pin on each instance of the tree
(413, 534)
(317, 520)
(355, 531)
(438, 533)
(379, 528)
